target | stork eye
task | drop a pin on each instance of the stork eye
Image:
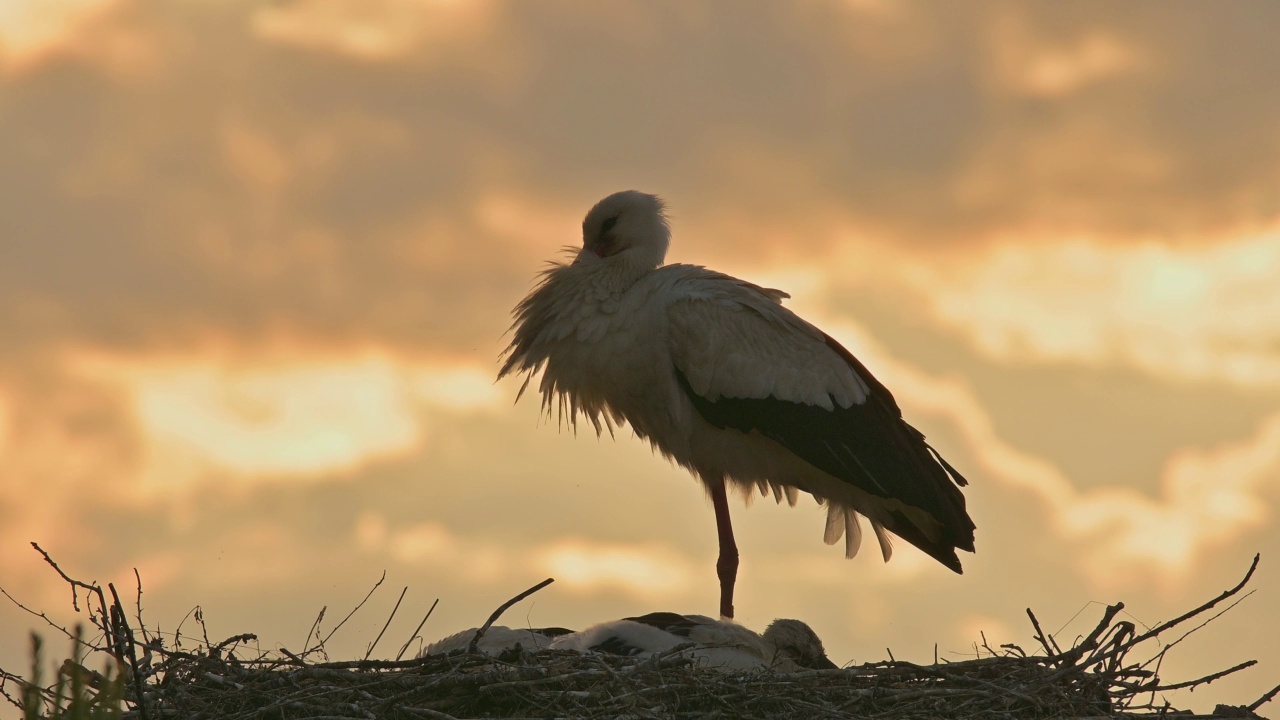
(608, 224)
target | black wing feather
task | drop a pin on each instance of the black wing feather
(869, 446)
(674, 623)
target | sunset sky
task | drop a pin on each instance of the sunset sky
(257, 259)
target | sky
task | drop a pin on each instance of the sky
(257, 260)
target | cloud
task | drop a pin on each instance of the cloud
(578, 565)
(279, 415)
(296, 190)
(1200, 313)
(1209, 497)
(585, 567)
(1055, 67)
(370, 30)
(32, 31)
(1122, 537)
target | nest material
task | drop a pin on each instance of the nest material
(572, 685)
(1097, 678)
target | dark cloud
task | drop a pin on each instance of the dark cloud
(129, 220)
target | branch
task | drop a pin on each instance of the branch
(1264, 699)
(387, 624)
(368, 595)
(1181, 618)
(475, 640)
(102, 600)
(1204, 680)
(417, 629)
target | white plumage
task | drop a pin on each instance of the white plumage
(785, 646)
(718, 376)
(496, 640)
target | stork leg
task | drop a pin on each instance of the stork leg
(727, 565)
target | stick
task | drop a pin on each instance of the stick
(400, 599)
(1181, 618)
(471, 648)
(141, 626)
(125, 640)
(315, 630)
(102, 600)
(1206, 679)
(1225, 594)
(71, 636)
(1051, 649)
(417, 630)
(1264, 699)
(372, 590)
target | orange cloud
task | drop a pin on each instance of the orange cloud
(32, 32)
(370, 30)
(1045, 68)
(649, 571)
(297, 417)
(1124, 538)
(1191, 313)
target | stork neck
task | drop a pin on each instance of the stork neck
(622, 271)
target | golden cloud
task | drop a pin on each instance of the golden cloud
(281, 415)
(1123, 537)
(588, 566)
(370, 30)
(1187, 313)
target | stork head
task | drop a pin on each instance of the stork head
(627, 224)
(799, 643)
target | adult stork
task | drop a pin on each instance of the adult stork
(721, 378)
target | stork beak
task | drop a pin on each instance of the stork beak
(587, 254)
(824, 663)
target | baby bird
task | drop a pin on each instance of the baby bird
(497, 640)
(785, 646)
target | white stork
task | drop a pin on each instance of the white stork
(785, 646)
(718, 376)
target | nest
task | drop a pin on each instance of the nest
(1113, 672)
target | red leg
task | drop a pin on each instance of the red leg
(727, 565)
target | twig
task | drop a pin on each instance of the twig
(374, 644)
(475, 640)
(1045, 640)
(1213, 617)
(177, 632)
(124, 644)
(102, 600)
(354, 610)
(1181, 618)
(42, 616)
(417, 629)
(1265, 698)
(1192, 613)
(233, 640)
(1066, 662)
(204, 629)
(1206, 679)
(315, 630)
(141, 626)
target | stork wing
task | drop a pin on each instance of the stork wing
(751, 365)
